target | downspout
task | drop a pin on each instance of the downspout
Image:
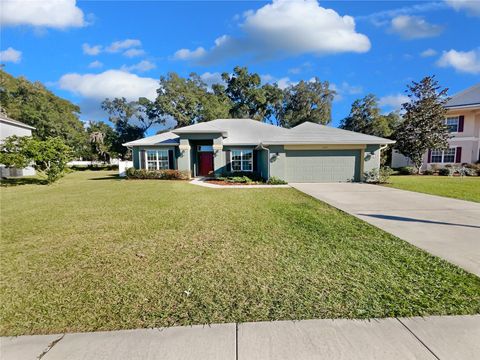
(260, 146)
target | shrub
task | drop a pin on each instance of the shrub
(376, 176)
(474, 168)
(276, 181)
(467, 171)
(448, 170)
(428, 172)
(133, 173)
(252, 175)
(406, 170)
(444, 172)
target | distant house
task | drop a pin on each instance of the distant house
(10, 127)
(463, 121)
(306, 153)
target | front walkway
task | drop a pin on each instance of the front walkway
(445, 227)
(438, 337)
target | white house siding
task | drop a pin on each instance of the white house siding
(9, 128)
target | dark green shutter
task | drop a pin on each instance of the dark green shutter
(171, 164)
(255, 160)
(228, 157)
(142, 159)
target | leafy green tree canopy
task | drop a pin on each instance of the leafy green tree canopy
(52, 116)
(48, 156)
(306, 101)
(423, 125)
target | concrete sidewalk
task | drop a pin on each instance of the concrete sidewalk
(448, 228)
(441, 337)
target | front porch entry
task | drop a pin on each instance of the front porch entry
(205, 160)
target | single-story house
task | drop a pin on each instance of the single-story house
(10, 127)
(306, 153)
(463, 121)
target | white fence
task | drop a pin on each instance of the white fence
(123, 166)
(91, 163)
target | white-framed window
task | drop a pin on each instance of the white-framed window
(156, 159)
(443, 156)
(452, 123)
(242, 160)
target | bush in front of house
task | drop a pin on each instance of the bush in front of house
(133, 173)
(276, 181)
(428, 172)
(252, 175)
(376, 176)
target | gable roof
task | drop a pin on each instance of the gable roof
(252, 132)
(5, 119)
(311, 133)
(466, 98)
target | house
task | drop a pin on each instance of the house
(306, 153)
(10, 127)
(463, 121)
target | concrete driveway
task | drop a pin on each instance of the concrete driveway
(445, 227)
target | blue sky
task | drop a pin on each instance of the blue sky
(87, 50)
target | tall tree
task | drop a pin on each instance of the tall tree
(131, 119)
(104, 141)
(365, 117)
(250, 99)
(423, 125)
(188, 100)
(306, 101)
(52, 116)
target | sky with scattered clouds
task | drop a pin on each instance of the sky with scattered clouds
(88, 50)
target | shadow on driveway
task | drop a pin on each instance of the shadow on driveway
(407, 219)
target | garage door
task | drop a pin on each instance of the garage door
(323, 165)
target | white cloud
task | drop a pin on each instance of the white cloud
(118, 46)
(383, 17)
(414, 27)
(10, 55)
(130, 53)
(428, 53)
(186, 54)
(110, 83)
(462, 61)
(345, 89)
(212, 78)
(142, 66)
(472, 7)
(393, 101)
(95, 64)
(59, 14)
(305, 27)
(91, 50)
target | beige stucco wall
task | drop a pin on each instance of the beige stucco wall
(469, 140)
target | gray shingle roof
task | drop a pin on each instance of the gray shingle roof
(251, 132)
(468, 97)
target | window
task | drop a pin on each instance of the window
(157, 159)
(205, 148)
(452, 123)
(242, 160)
(445, 156)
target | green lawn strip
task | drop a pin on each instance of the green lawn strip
(93, 252)
(463, 188)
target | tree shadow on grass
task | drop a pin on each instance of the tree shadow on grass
(9, 182)
(108, 177)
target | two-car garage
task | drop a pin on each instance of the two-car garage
(323, 165)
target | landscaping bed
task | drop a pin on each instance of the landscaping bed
(95, 252)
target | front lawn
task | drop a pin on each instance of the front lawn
(463, 188)
(93, 252)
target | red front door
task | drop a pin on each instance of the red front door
(205, 163)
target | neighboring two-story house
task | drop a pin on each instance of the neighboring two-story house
(463, 121)
(10, 127)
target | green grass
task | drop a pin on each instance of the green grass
(466, 188)
(93, 252)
